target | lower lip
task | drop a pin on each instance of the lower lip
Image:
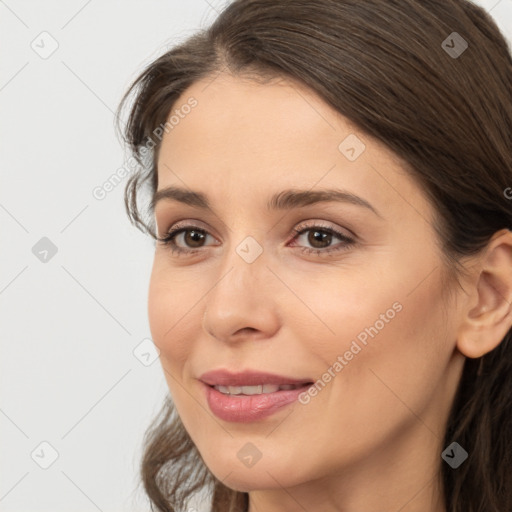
(247, 408)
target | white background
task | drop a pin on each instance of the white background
(69, 325)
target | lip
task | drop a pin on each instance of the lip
(222, 377)
(248, 408)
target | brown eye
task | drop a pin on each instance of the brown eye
(185, 239)
(190, 239)
(194, 238)
(320, 239)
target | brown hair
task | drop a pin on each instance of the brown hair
(384, 66)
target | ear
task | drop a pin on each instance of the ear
(485, 324)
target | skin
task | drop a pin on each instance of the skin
(372, 437)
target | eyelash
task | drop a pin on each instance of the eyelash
(175, 249)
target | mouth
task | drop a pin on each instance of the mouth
(250, 379)
(261, 389)
(250, 395)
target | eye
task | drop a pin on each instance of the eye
(192, 236)
(320, 237)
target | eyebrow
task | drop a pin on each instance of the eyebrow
(284, 200)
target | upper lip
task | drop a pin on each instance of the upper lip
(222, 377)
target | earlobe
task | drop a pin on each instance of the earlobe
(486, 324)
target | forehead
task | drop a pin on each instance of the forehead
(231, 110)
(274, 135)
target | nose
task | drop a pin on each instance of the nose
(242, 302)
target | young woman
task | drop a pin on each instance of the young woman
(330, 191)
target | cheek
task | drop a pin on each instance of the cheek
(345, 305)
(402, 351)
(390, 306)
(171, 316)
(391, 335)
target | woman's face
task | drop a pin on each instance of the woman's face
(360, 314)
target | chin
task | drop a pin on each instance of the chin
(247, 480)
(269, 474)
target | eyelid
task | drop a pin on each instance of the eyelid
(310, 224)
(194, 223)
(346, 241)
(186, 223)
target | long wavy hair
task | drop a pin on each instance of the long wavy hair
(387, 67)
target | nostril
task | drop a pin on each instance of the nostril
(250, 329)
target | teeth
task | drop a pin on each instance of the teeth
(254, 390)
